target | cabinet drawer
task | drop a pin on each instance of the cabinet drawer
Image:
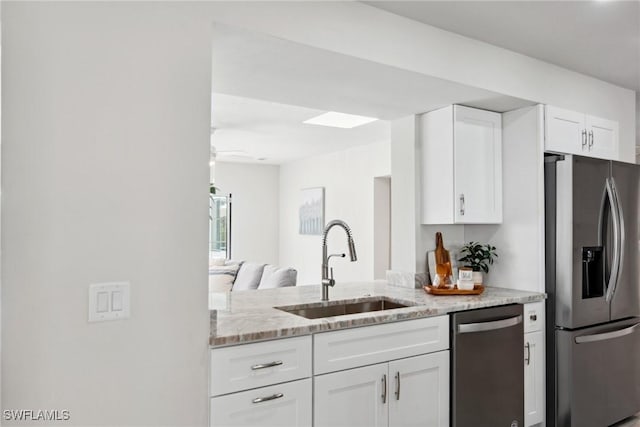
(533, 316)
(248, 366)
(349, 348)
(287, 404)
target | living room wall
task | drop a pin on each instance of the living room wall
(348, 180)
(255, 221)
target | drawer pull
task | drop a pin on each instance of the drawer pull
(266, 365)
(268, 398)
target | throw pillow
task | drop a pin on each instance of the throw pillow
(248, 276)
(274, 277)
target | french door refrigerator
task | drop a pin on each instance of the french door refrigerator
(592, 281)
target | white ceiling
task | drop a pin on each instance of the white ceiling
(264, 87)
(597, 38)
(275, 132)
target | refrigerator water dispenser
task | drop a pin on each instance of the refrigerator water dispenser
(592, 272)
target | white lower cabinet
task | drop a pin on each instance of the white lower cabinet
(282, 405)
(534, 364)
(533, 378)
(353, 398)
(405, 392)
(263, 384)
(420, 391)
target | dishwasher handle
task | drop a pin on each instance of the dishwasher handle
(465, 328)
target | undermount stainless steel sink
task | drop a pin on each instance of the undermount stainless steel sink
(337, 308)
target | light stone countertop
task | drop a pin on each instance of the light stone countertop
(250, 316)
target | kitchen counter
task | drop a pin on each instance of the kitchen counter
(250, 315)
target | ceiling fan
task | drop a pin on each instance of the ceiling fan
(216, 154)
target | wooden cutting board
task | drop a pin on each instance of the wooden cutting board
(443, 266)
(431, 266)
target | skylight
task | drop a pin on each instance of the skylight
(339, 120)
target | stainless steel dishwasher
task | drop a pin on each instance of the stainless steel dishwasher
(487, 375)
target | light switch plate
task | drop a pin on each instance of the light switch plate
(108, 301)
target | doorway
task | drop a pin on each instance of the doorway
(381, 226)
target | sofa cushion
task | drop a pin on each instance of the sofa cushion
(274, 277)
(248, 276)
(221, 277)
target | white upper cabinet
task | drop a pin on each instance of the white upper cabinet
(565, 130)
(603, 141)
(571, 132)
(461, 166)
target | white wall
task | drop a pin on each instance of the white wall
(405, 199)
(255, 210)
(105, 139)
(348, 179)
(411, 45)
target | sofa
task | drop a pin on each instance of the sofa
(227, 275)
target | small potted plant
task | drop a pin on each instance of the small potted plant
(478, 257)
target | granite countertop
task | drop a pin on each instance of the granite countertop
(250, 315)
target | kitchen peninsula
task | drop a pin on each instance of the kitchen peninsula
(375, 367)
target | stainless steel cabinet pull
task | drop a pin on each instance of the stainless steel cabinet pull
(268, 398)
(384, 388)
(464, 328)
(584, 138)
(606, 336)
(397, 385)
(590, 139)
(266, 365)
(462, 204)
(528, 358)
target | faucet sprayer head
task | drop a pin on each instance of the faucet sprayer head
(352, 250)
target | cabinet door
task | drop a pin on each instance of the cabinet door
(602, 138)
(477, 166)
(352, 398)
(533, 378)
(419, 391)
(283, 405)
(565, 131)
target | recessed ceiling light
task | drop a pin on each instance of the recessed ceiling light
(340, 120)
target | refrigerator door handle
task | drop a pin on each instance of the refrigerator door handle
(464, 328)
(602, 219)
(621, 238)
(617, 233)
(618, 238)
(607, 335)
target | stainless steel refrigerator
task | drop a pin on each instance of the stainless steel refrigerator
(592, 282)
